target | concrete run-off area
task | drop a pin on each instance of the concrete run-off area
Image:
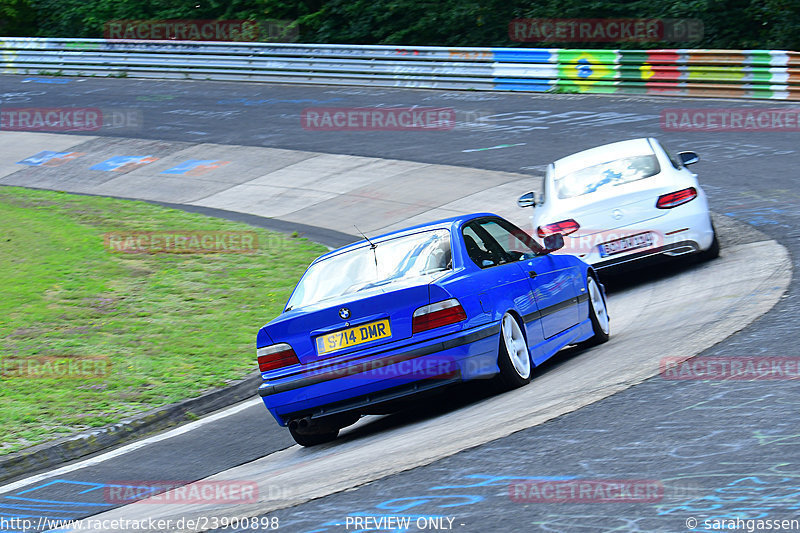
(324, 190)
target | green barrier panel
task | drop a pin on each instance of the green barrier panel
(761, 58)
(633, 57)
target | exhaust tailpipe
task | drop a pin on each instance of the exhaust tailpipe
(326, 424)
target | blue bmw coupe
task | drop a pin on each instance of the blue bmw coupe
(407, 312)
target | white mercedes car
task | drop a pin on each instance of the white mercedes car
(623, 202)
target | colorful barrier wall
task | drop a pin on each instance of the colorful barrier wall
(772, 74)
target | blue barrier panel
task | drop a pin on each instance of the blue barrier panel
(524, 55)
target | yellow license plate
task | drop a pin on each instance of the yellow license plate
(353, 336)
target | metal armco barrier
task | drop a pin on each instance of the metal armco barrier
(770, 74)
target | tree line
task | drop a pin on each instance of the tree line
(732, 24)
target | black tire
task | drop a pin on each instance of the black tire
(713, 250)
(512, 377)
(313, 439)
(601, 334)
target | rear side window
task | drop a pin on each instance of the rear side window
(491, 242)
(676, 162)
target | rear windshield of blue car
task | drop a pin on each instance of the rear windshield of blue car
(387, 262)
(607, 175)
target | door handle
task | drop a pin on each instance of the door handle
(532, 274)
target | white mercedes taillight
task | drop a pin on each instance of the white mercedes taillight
(565, 227)
(674, 199)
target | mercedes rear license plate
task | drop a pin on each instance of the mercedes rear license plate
(626, 244)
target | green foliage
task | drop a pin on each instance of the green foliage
(405, 22)
(86, 18)
(735, 24)
(17, 18)
(780, 24)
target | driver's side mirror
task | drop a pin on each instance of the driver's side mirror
(527, 200)
(553, 242)
(688, 158)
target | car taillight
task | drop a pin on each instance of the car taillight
(276, 356)
(437, 315)
(565, 227)
(674, 199)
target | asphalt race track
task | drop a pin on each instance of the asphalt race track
(722, 450)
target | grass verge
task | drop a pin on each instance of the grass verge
(165, 326)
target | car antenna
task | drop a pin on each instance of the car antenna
(372, 246)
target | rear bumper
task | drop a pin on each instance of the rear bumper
(678, 248)
(402, 371)
(685, 229)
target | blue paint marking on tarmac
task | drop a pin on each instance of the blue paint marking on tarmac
(123, 163)
(30, 508)
(402, 504)
(197, 165)
(49, 158)
(24, 504)
(58, 502)
(497, 480)
(759, 216)
(41, 158)
(45, 80)
(21, 515)
(69, 484)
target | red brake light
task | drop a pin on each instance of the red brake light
(674, 199)
(437, 315)
(565, 227)
(276, 356)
